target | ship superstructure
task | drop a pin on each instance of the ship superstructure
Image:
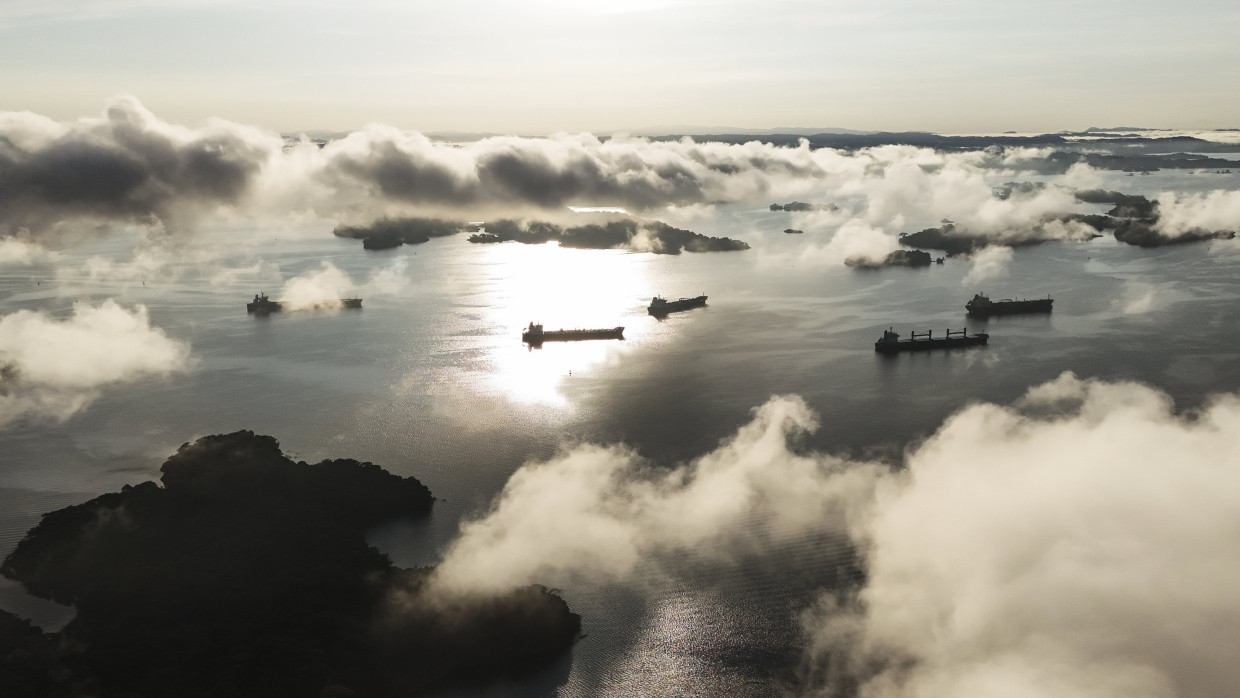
(982, 306)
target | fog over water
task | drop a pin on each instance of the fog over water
(741, 499)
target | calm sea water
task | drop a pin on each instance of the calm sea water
(432, 380)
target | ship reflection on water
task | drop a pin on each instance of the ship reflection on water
(560, 288)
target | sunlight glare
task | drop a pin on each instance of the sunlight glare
(562, 289)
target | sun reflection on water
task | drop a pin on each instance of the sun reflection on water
(560, 288)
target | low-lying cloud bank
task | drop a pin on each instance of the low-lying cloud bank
(52, 368)
(129, 166)
(64, 181)
(1205, 215)
(1080, 542)
(604, 514)
(326, 286)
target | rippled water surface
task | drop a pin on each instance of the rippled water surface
(432, 380)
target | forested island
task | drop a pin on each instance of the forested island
(1132, 219)
(896, 258)
(387, 233)
(248, 574)
(601, 232)
(623, 233)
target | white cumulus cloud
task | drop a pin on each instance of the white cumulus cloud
(51, 367)
(1081, 543)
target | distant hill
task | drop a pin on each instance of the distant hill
(852, 141)
(732, 130)
(1102, 129)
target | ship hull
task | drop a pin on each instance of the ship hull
(1006, 307)
(263, 308)
(885, 347)
(660, 309)
(267, 307)
(530, 337)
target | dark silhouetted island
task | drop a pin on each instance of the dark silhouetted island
(1144, 233)
(33, 664)
(387, 233)
(608, 233)
(248, 574)
(1125, 205)
(896, 258)
(1134, 219)
(792, 206)
(945, 238)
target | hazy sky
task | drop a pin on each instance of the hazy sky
(538, 66)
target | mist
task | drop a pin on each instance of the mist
(67, 182)
(53, 367)
(324, 287)
(127, 166)
(603, 514)
(1182, 214)
(988, 263)
(1078, 542)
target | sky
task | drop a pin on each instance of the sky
(542, 66)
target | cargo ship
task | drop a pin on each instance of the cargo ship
(535, 334)
(982, 306)
(263, 305)
(662, 306)
(890, 343)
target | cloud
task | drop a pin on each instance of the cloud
(128, 166)
(601, 513)
(1077, 543)
(988, 263)
(146, 264)
(391, 280)
(857, 244)
(326, 286)
(53, 368)
(255, 273)
(1138, 297)
(17, 251)
(320, 288)
(60, 180)
(1182, 214)
(1080, 543)
(506, 175)
(906, 185)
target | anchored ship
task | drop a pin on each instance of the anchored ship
(982, 306)
(535, 334)
(890, 343)
(662, 306)
(263, 305)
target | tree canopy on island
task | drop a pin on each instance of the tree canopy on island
(248, 574)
